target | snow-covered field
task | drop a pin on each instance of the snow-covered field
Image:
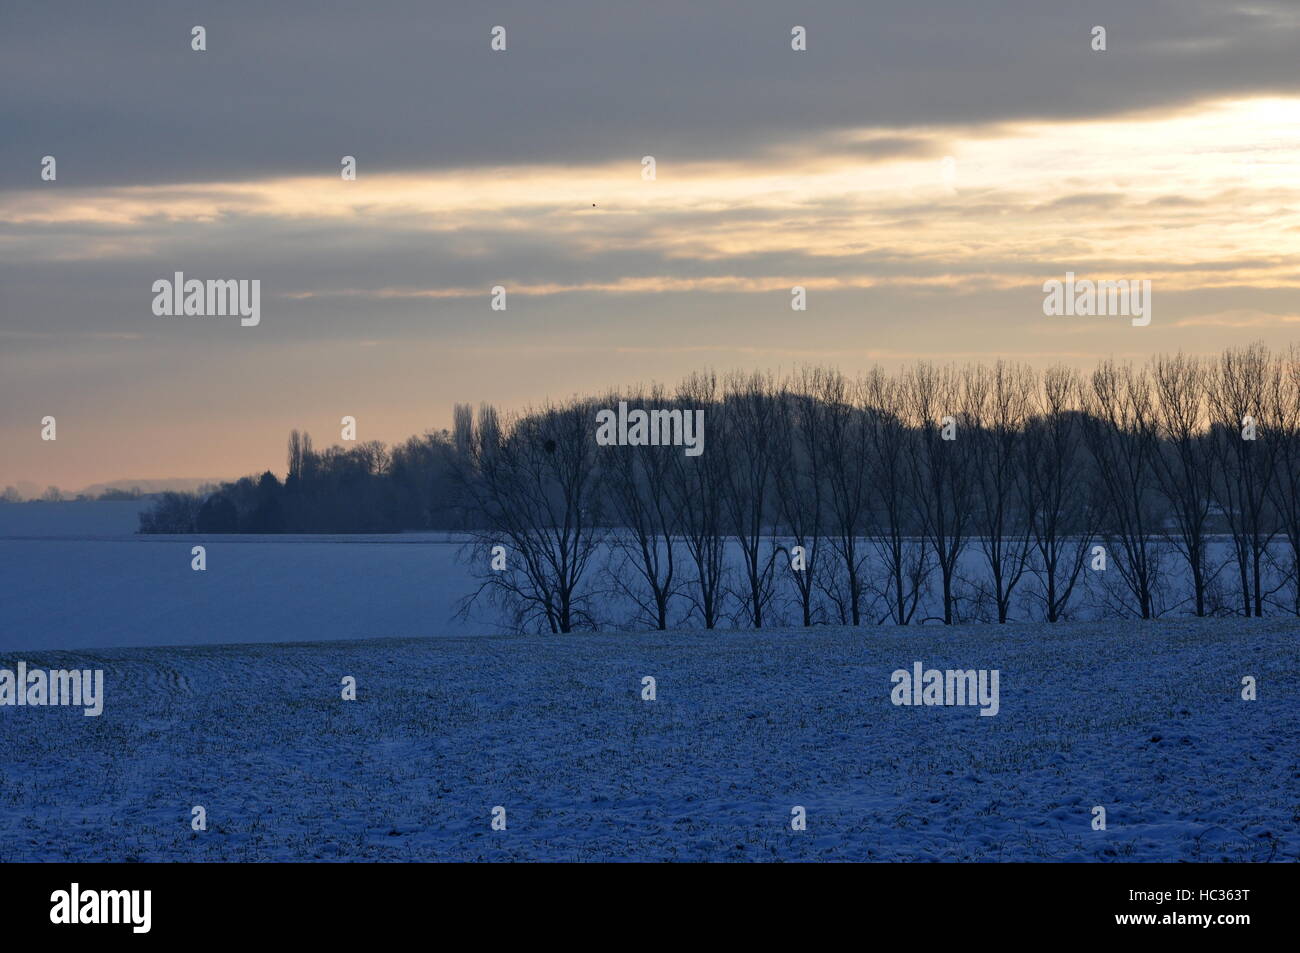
(96, 518)
(452, 720)
(1145, 720)
(74, 576)
(83, 592)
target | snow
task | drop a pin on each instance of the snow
(75, 575)
(94, 592)
(213, 699)
(91, 518)
(1145, 719)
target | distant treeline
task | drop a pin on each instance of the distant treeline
(54, 495)
(848, 499)
(369, 488)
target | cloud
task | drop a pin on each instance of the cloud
(404, 85)
(1173, 156)
(1239, 319)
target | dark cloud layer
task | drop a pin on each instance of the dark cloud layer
(115, 92)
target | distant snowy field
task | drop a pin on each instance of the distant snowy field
(1144, 719)
(95, 519)
(79, 593)
(74, 576)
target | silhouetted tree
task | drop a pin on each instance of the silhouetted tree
(1058, 490)
(1183, 461)
(698, 488)
(1119, 430)
(217, 515)
(799, 483)
(537, 485)
(647, 530)
(748, 422)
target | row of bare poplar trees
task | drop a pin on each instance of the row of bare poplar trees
(944, 492)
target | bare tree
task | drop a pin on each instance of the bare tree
(536, 486)
(642, 503)
(698, 489)
(749, 419)
(940, 463)
(799, 482)
(889, 487)
(1284, 488)
(1057, 493)
(998, 403)
(1239, 384)
(374, 456)
(462, 428)
(1182, 461)
(843, 451)
(1119, 431)
(295, 456)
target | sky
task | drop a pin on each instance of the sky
(921, 169)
